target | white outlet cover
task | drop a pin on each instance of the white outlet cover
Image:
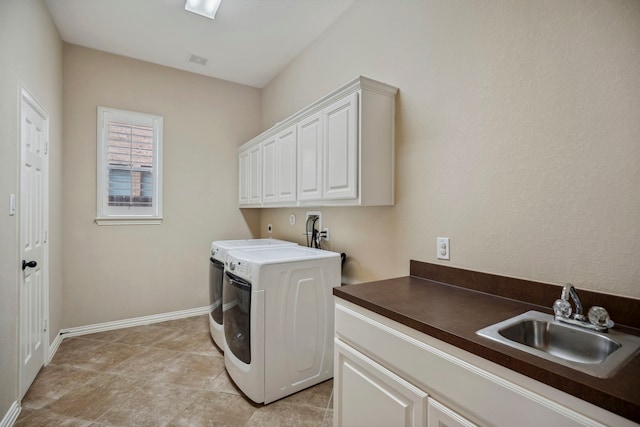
(12, 204)
(292, 219)
(442, 248)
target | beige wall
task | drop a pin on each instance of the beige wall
(119, 272)
(518, 137)
(30, 55)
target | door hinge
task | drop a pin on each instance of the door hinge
(45, 236)
(46, 325)
(46, 148)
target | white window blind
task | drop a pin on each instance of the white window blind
(130, 158)
(129, 153)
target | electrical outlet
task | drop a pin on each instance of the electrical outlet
(269, 228)
(12, 204)
(325, 234)
(442, 249)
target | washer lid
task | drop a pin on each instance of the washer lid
(257, 243)
(220, 248)
(279, 255)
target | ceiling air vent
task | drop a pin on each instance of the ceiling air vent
(200, 60)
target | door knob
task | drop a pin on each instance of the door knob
(30, 264)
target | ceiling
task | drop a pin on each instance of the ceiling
(249, 41)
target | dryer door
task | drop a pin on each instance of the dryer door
(236, 315)
(216, 273)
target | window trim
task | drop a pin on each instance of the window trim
(140, 215)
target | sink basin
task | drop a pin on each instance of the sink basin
(594, 353)
(557, 340)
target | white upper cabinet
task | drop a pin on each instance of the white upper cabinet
(254, 176)
(309, 171)
(249, 178)
(243, 177)
(269, 171)
(286, 165)
(279, 168)
(339, 151)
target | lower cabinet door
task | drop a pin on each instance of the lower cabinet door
(367, 394)
(441, 416)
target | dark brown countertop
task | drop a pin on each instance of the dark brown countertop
(453, 313)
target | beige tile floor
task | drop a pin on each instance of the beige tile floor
(165, 374)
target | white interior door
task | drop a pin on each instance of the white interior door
(34, 139)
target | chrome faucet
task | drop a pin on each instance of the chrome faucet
(598, 316)
(569, 291)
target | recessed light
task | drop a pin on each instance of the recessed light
(207, 8)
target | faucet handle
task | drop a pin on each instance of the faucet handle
(600, 317)
(562, 308)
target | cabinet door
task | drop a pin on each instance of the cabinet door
(243, 177)
(441, 416)
(286, 166)
(368, 394)
(341, 149)
(269, 171)
(310, 158)
(255, 177)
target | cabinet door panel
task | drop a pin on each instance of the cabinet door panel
(441, 416)
(367, 394)
(341, 149)
(243, 177)
(269, 171)
(310, 158)
(286, 165)
(255, 159)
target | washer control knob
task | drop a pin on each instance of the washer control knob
(232, 266)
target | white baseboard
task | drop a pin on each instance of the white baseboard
(126, 323)
(11, 416)
(54, 347)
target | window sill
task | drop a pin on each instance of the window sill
(129, 221)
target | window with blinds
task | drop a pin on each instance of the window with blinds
(129, 147)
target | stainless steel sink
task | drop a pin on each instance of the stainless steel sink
(594, 353)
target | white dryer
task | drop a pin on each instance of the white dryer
(219, 251)
(278, 319)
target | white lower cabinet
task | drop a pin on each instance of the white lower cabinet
(366, 394)
(388, 374)
(369, 395)
(441, 416)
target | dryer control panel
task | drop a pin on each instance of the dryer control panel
(238, 267)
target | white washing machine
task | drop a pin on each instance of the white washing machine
(219, 251)
(278, 319)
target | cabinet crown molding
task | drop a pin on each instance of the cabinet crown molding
(360, 82)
